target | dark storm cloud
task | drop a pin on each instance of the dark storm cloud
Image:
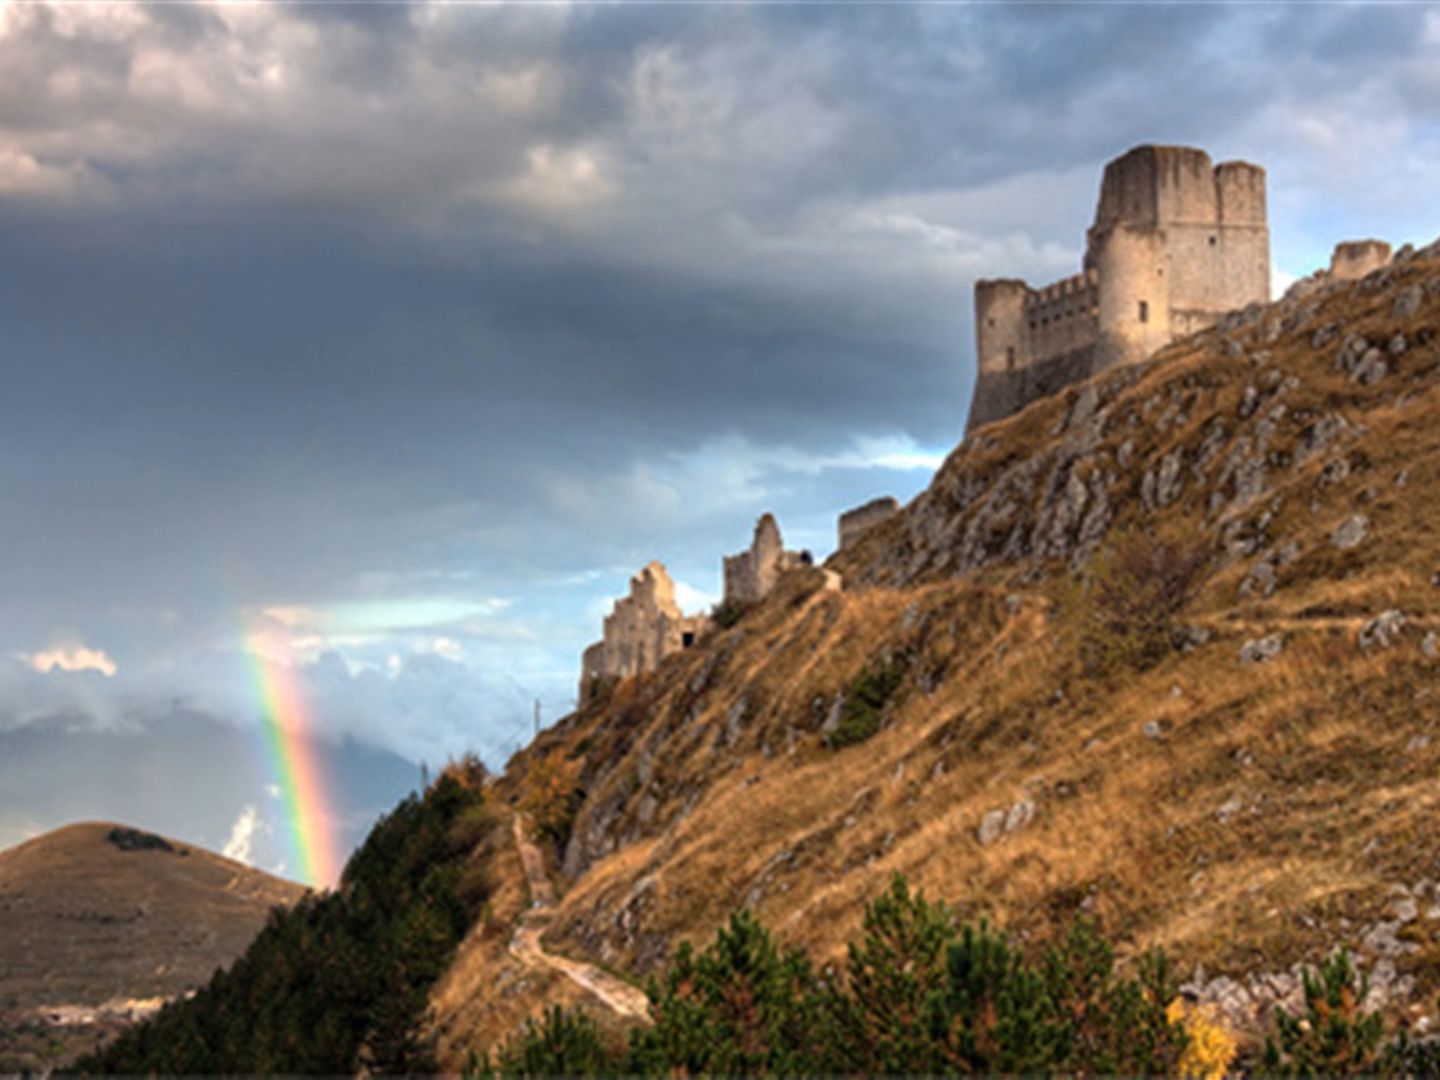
(407, 332)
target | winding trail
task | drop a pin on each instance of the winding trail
(525, 945)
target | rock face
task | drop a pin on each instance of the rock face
(1381, 631)
(1262, 649)
(1350, 532)
(643, 629)
(750, 575)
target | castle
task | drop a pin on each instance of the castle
(1176, 243)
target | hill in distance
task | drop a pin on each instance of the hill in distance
(100, 913)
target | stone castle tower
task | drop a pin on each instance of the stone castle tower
(1177, 242)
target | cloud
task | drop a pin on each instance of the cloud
(242, 836)
(70, 656)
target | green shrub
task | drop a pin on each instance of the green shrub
(742, 1006)
(917, 995)
(865, 698)
(1127, 603)
(727, 613)
(135, 840)
(1335, 1037)
(894, 976)
(564, 1043)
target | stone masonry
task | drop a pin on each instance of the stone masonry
(644, 628)
(1353, 259)
(854, 522)
(1177, 242)
(750, 575)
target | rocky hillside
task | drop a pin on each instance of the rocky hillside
(103, 922)
(1162, 649)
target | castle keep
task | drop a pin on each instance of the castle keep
(1176, 243)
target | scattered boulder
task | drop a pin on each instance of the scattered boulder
(1229, 808)
(1430, 645)
(1003, 821)
(992, 827)
(1370, 368)
(1188, 638)
(1260, 581)
(1261, 650)
(1382, 630)
(1351, 532)
(1408, 302)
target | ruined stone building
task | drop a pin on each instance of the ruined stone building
(853, 523)
(1176, 243)
(645, 627)
(1353, 259)
(750, 575)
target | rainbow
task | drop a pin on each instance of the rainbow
(296, 769)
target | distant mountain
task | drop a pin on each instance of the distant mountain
(96, 915)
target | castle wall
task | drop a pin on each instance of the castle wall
(853, 523)
(1353, 259)
(1025, 337)
(1064, 317)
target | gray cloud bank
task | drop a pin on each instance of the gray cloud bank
(429, 324)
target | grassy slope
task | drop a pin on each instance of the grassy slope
(86, 921)
(1271, 819)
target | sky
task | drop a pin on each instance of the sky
(384, 342)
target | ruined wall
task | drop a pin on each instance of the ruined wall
(751, 574)
(1353, 259)
(1176, 243)
(854, 522)
(642, 629)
